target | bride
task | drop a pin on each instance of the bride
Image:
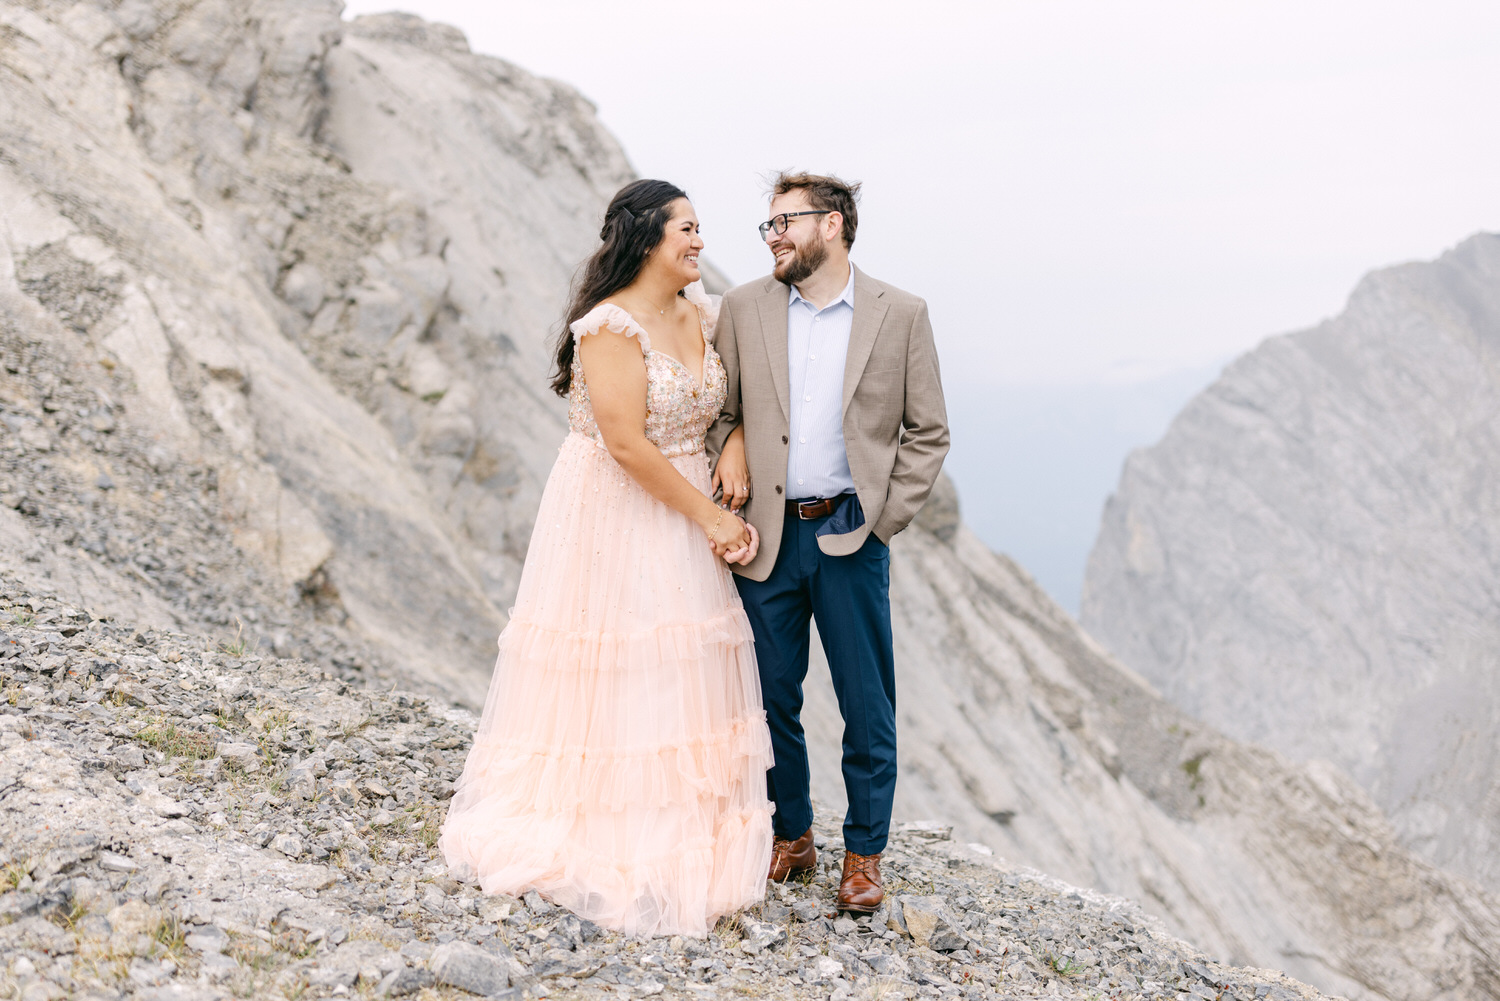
(619, 767)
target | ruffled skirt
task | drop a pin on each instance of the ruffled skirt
(619, 767)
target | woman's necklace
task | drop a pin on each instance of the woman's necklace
(663, 310)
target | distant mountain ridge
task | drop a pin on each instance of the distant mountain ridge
(1310, 558)
(1045, 457)
(276, 293)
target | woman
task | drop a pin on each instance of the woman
(619, 768)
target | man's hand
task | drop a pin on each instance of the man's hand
(746, 553)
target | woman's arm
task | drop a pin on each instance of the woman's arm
(732, 472)
(616, 374)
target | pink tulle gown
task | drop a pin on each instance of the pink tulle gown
(619, 768)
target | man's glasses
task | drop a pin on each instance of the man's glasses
(778, 224)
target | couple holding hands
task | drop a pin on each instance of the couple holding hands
(626, 765)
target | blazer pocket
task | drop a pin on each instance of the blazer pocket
(880, 380)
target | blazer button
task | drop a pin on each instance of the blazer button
(783, 439)
(778, 489)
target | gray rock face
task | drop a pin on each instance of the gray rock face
(1309, 557)
(275, 297)
(1022, 733)
(355, 357)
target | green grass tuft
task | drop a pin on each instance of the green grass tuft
(175, 742)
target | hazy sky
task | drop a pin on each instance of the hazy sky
(1090, 195)
(1081, 190)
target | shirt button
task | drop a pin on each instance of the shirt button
(817, 319)
(799, 483)
(813, 357)
(807, 399)
(803, 441)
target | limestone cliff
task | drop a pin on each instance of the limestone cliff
(275, 299)
(1308, 559)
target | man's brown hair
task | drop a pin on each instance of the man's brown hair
(825, 193)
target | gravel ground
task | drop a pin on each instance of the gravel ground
(182, 818)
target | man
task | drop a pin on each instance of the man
(834, 378)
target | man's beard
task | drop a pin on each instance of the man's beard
(803, 262)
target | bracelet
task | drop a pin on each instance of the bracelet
(713, 533)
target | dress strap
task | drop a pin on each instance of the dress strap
(708, 307)
(608, 316)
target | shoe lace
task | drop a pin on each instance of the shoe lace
(867, 866)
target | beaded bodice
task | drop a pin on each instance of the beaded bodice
(679, 409)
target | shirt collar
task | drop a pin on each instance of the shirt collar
(846, 296)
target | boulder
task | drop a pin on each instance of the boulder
(932, 924)
(469, 968)
(244, 757)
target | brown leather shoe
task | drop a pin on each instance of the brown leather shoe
(860, 890)
(792, 858)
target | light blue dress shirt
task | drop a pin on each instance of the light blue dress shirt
(817, 346)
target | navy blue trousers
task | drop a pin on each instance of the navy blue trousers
(849, 598)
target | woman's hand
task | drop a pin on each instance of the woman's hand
(745, 555)
(726, 533)
(733, 473)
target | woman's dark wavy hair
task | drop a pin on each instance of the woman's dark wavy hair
(634, 225)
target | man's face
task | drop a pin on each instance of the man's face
(801, 250)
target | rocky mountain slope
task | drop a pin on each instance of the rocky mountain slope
(180, 819)
(275, 294)
(1309, 558)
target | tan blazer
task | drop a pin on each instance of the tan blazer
(895, 424)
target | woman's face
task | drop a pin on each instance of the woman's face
(677, 254)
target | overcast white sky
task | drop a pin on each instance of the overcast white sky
(1085, 192)
(1080, 189)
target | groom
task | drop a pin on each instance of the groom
(834, 378)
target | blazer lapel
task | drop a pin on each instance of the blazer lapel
(773, 333)
(869, 311)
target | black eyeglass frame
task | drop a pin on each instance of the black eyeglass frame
(786, 217)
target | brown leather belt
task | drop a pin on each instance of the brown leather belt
(808, 510)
